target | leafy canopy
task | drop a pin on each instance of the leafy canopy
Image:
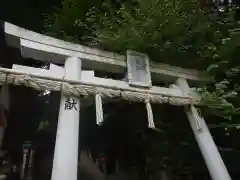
(176, 32)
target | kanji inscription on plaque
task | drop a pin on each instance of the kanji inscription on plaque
(138, 69)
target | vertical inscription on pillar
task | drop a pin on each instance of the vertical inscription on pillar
(70, 104)
(138, 69)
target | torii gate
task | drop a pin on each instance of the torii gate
(73, 82)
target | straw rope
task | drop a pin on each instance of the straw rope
(79, 89)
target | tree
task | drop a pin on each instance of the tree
(27, 14)
(222, 95)
(176, 32)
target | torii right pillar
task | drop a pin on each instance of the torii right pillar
(210, 153)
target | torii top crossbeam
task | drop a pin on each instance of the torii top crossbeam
(45, 48)
(40, 47)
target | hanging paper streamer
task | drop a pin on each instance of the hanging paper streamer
(99, 109)
(149, 114)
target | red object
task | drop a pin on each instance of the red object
(102, 159)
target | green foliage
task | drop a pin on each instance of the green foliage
(43, 125)
(27, 14)
(222, 95)
(73, 21)
(64, 23)
(176, 32)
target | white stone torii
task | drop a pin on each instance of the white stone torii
(40, 47)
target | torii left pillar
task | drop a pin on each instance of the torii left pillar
(65, 163)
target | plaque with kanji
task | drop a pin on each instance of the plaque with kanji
(138, 69)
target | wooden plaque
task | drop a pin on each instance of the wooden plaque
(138, 69)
